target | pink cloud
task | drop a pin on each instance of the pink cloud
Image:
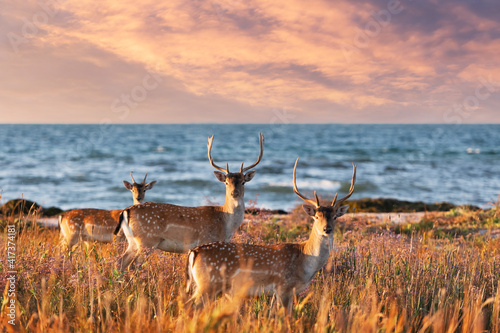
(322, 60)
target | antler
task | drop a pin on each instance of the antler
(296, 190)
(209, 146)
(226, 170)
(351, 190)
(133, 180)
(261, 141)
(144, 181)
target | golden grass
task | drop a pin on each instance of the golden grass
(384, 278)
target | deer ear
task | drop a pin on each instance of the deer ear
(220, 176)
(342, 210)
(249, 175)
(150, 185)
(310, 210)
(127, 185)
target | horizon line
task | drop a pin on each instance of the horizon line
(244, 123)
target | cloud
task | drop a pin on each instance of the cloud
(336, 61)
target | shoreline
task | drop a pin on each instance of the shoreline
(363, 205)
(364, 211)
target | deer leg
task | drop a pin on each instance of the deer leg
(69, 241)
(198, 300)
(199, 281)
(63, 244)
(286, 299)
(62, 240)
(135, 256)
(142, 254)
(129, 256)
(133, 250)
(139, 259)
(273, 299)
(119, 237)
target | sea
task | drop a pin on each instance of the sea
(83, 166)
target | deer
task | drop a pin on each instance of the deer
(177, 229)
(282, 270)
(90, 224)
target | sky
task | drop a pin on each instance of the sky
(250, 61)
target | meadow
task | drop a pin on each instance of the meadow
(438, 275)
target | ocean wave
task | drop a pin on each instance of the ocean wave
(161, 149)
(360, 187)
(191, 182)
(268, 169)
(472, 150)
(327, 164)
(392, 168)
(274, 189)
(97, 154)
(313, 184)
(158, 161)
(36, 180)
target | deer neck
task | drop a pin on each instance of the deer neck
(234, 212)
(316, 251)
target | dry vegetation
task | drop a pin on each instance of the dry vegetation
(439, 275)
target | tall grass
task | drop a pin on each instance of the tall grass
(378, 279)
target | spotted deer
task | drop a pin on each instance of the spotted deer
(138, 189)
(97, 224)
(282, 269)
(177, 229)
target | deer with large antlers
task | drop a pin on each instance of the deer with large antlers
(177, 229)
(282, 269)
(98, 224)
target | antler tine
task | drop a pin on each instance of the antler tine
(133, 180)
(317, 199)
(144, 181)
(296, 190)
(351, 190)
(209, 146)
(334, 199)
(261, 141)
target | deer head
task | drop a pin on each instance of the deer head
(324, 216)
(138, 189)
(234, 181)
